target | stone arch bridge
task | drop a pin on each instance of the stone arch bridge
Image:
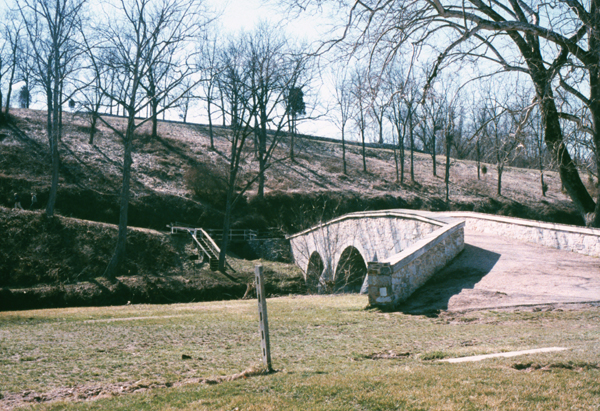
(388, 254)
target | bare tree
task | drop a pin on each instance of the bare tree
(273, 68)
(187, 100)
(52, 29)
(380, 102)
(345, 107)
(403, 103)
(140, 36)
(12, 32)
(210, 70)
(271, 74)
(25, 68)
(4, 68)
(234, 86)
(504, 130)
(360, 94)
(433, 111)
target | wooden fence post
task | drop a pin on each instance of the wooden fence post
(263, 320)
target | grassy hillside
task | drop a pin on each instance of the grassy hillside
(59, 262)
(171, 176)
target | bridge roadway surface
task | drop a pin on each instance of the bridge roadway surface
(497, 272)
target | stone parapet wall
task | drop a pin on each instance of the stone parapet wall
(376, 235)
(560, 236)
(393, 280)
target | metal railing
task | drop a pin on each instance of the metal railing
(234, 234)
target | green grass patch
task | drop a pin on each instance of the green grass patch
(329, 352)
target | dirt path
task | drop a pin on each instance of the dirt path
(494, 272)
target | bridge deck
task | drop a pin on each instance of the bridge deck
(494, 272)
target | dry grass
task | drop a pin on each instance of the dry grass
(330, 353)
(161, 166)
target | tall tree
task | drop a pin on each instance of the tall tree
(234, 83)
(52, 29)
(345, 107)
(403, 103)
(380, 102)
(12, 31)
(268, 67)
(360, 94)
(140, 35)
(210, 70)
(432, 123)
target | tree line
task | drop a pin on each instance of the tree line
(551, 49)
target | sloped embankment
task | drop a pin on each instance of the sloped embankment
(59, 262)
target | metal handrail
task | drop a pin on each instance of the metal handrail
(199, 244)
(216, 248)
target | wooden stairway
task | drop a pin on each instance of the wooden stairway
(207, 246)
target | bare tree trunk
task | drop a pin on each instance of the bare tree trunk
(262, 152)
(412, 146)
(54, 173)
(478, 158)
(433, 142)
(292, 123)
(93, 126)
(401, 134)
(396, 163)
(500, 169)
(344, 150)
(154, 109)
(223, 108)
(10, 84)
(226, 227)
(120, 250)
(55, 137)
(49, 114)
(447, 174)
(364, 151)
(210, 125)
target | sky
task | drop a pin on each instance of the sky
(238, 15)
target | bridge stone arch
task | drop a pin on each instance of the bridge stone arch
(408, 244)
(314, 271)
(350, 272)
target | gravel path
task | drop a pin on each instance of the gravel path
(496, 272)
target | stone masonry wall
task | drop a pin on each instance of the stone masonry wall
(394, 280)
(375, 237)
(560, 236)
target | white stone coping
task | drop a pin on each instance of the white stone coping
(523, 222)
(422, 246)
(425, 217)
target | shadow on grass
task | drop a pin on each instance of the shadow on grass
(464, 272)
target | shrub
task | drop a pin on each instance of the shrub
(207, 184)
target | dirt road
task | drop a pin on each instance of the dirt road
(495, 272)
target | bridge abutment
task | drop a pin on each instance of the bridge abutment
(394, 280)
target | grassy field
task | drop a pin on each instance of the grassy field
(330, 353)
